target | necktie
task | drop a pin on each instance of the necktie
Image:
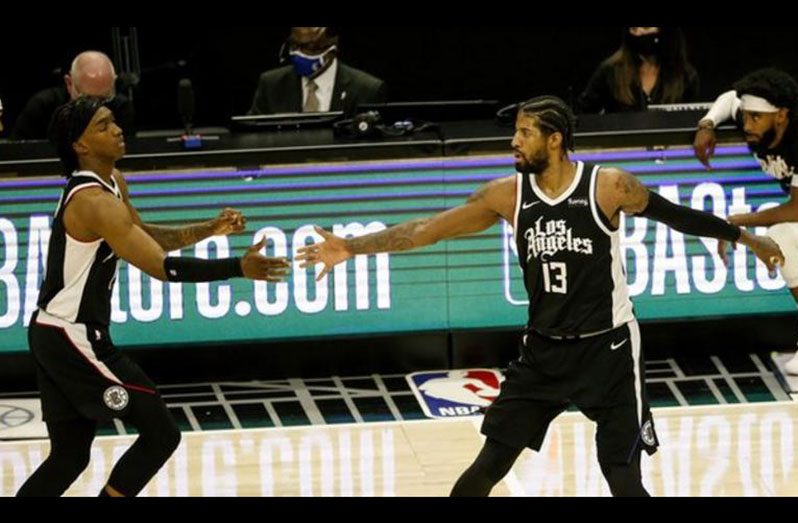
(312, 101)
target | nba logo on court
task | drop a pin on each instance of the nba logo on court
(448, 394)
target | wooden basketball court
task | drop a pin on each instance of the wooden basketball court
(722, 450)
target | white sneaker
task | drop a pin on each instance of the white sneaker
(792, 366)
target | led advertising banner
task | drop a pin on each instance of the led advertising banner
(467, 283)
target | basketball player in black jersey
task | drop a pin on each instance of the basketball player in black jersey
(582, 343)
(82, 377)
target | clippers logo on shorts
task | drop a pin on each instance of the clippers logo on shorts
(447, 394)
(647, 434)
(116, 397)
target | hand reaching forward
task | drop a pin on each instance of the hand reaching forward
(332, 251)
(256, 266)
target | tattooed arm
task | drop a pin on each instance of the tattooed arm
(174, 238)
(619, 191)
(483, 209)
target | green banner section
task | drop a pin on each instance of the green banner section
(466, 283)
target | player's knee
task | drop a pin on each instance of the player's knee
(161, 445)
(71, 462)
(162, 436)
(624, 480)
(172, 440)
(495, 460)
(786, 236)
(489, 471)
(79, 462)
(168, 441)
(486, 471)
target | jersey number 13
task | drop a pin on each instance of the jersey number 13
(555, 277)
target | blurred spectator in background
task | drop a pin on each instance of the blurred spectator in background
(1, 116)
(316, 80)
(650, 67)
(92, 74)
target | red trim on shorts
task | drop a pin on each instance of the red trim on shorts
(138, 388)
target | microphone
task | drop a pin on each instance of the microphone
(185, 107)
(185, 103)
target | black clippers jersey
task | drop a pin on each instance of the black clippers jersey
(571, 258)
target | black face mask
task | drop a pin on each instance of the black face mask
(645, 45)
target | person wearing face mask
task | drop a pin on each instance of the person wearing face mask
(315, 80)
(650, 67)
(763, 104)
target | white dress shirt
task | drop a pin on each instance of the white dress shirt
(325, 82)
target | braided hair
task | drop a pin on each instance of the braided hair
(553, 115)
(68, 124)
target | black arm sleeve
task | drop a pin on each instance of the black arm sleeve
(197, 269)
(689, 221)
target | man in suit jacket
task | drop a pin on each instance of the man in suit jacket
(316, 81)
(92, 74)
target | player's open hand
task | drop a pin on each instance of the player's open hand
(259, 267)
(333, 250)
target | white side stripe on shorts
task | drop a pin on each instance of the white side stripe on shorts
(76, 333)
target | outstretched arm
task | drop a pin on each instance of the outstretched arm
(483, 209)
(621, 191)
(174, 238)
(104, 216)
(785, 212)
